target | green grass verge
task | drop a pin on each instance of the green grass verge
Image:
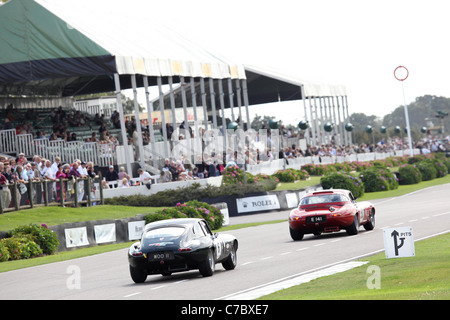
(423, 277)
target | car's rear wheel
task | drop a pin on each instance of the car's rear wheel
(138, 275)
(353, 229)
(231, 261)
(207, 266)
(296, 234)
(370, 225)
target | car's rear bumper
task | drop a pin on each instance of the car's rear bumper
(332, 224)
(182, 261)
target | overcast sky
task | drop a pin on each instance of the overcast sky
(356, 43)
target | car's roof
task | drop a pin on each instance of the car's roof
(181, 222)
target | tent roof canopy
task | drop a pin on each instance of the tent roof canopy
(63, 48)
(44, 39)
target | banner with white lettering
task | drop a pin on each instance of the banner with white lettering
(135, 229)
(260, 203)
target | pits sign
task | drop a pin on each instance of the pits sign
(398, 242)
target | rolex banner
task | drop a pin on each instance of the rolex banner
(260, 203)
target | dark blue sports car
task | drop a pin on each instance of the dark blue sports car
(176, 245)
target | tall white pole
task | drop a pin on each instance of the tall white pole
(122, 122)
(407, 123)
(140, 146)
(402, 78)
(150, 119)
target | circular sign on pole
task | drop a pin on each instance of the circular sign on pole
(401, 73)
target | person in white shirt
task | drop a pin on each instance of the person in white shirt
(55, 165)
(83, 174)
(145, 178)
(48, 174)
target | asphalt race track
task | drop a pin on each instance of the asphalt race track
(266, 255)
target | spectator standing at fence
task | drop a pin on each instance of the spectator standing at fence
(5, 193)
(8, 173)
(61, 173)
(55, 165)
(48, 174)
(90, 169)
(37, 186)
(81, 185)
(20, 178)
(75, 174)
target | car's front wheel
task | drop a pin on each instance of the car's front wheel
(137, 275)
(295, 234)
(207, 266)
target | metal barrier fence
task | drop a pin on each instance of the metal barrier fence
(62, 192)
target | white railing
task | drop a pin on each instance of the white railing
(8, 141)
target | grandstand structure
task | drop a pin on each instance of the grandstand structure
(53, 51)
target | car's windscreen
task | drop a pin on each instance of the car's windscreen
(162, 234)
(323, 198)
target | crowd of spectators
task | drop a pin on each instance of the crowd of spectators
(20, 171)
(65, 125)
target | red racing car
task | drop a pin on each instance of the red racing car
(330, 211)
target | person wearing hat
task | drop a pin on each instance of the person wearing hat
(145, 178)
(112, 175)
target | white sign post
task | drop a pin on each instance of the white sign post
(398, 242)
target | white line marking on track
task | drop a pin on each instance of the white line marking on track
(301, 249)
(156, 288)
(266, 258)
(181, 281)
(319, 244)
(132, 294)
(440, 214)
(285, 253)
